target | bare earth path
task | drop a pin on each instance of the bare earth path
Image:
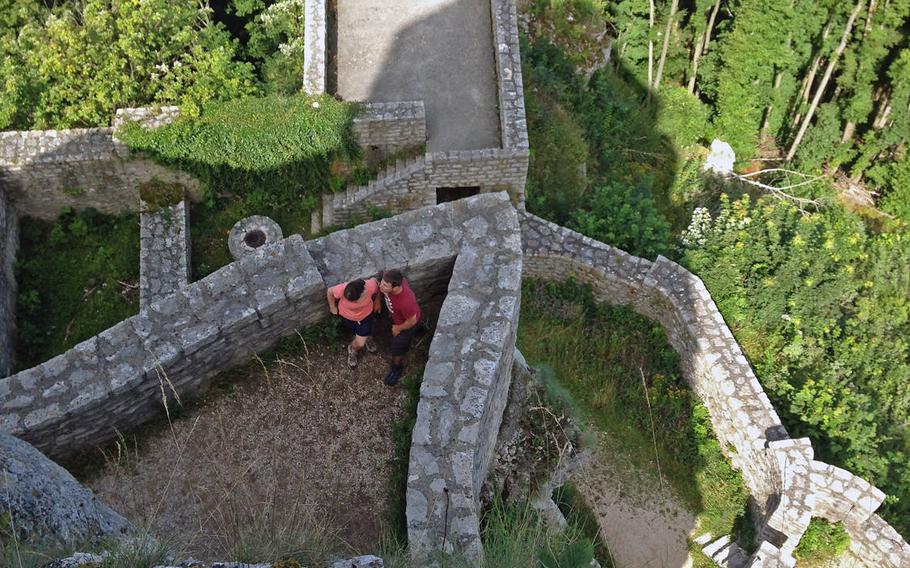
(437, 51)
(643, 522)
(304, 439)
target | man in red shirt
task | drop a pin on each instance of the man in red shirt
(405, 314)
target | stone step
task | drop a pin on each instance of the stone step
(716, 546)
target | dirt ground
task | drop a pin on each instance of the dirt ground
(643, 522)
(302, 446)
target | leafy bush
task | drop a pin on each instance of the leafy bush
(85, 59)
(624, 217)
(819, 304)
(683, 117)
(822, 541)
(275, 41)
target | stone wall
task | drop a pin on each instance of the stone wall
(466, 380)
(164, 252)
(44, 171)
(314, 46)
(9, 244)
(411, 184)
(787, 484)
(513, 123)
(391, 127)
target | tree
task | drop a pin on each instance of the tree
(85, 60)
(749, 54)
(824, 82)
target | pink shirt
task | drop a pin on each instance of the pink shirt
(357, 310)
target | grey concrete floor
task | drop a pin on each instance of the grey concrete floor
(438, 51)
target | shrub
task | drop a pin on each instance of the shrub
(822, 541)
(623, 216)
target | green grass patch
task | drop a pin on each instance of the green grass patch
(605, 356)
(273, 156)
(77, 276)
(822, 541)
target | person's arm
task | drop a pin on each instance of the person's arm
(333, 303)
(406, 325)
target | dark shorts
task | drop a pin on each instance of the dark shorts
(402, 342)
(363, 328)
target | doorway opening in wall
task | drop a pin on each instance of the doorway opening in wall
(446, 194)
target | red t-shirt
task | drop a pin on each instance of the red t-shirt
(402, 306)
(360, 309)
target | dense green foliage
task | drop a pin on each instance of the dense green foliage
(821, 306)
(818, 297)
(66, 296)
(271, 155)
(75, 64)
(602, 355)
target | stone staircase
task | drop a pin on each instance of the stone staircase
(723, 551)
(387, 188)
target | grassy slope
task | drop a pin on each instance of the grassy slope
(599, 354)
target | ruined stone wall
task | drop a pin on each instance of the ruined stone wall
(391, 126)
(314, 47)
(9, 244)
(788, 485)
(513, 123)
(44, 171)
(466, 380)
(164, 252)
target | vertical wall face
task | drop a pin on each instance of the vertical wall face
(44, 171)
(9, 244)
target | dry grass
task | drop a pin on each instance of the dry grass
(292, 463)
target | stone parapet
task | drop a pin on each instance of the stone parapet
(314, 47)
(466, 382)
(164, 252)
(513, 122)
(147, 117)
(391, 127)
(117, 379)
(9, 244)
(787, 484)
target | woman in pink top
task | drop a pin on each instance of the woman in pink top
(357, 302)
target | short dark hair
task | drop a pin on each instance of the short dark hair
(393, 277)
(354, 289)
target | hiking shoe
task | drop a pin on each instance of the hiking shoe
(352, 357)
(392, 378)
(371, 345)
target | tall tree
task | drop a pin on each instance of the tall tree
(749, 53)
(668, 31)
(825, 78)
(863, 64)
(701, 41)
